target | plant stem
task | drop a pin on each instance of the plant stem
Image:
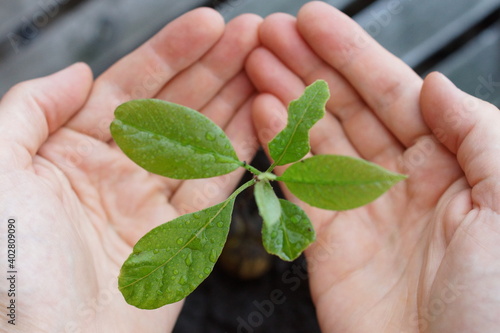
(267, 175)
(250, 168)
(242, 188)
(271, 168)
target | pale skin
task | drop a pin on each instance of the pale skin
(424, 257)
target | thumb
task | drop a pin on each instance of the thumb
(32, 110)
(468, 127)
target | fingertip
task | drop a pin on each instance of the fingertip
(248, 17)
(253, 64)
(200, 24)
(273, 20)
(270, 75)
(436, 98)
(67, 88)
(269, 116)
(248, 25)
(434, 82)
(273, 26)
(450, 112)
(33, 109)
(83, 68)
(78, 79)
(207, 15)
(310, 10)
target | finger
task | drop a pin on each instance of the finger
(231, 97)
(270, 75)
(362, 128)
(34, 109)
(198, 84)
(468, 127)
(193, 195)
(387, 85)
(269, 116)
(144, 72)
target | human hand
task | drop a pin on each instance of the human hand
(79, 203)
(425, 256)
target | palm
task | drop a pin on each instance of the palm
(80, 202)
(76, 246)
(404, 263)
(384, 257)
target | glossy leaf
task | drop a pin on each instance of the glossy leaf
(171, 260)
(292, 143)
(172, 140)
(338, 182)
(291, 235)
(267, 202)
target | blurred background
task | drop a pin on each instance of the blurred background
(460, 38)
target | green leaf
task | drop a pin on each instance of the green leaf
(267, 202)
(292, 143)
(172, 140)
(171, 260)
(338, 182)
(291, 235)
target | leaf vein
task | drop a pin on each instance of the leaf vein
(182, 248)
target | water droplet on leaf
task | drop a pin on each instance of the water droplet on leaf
(220, 224)
(182, 280)
(189, 259)
(209, 136)
(207, 270)
(213, 256)
(180, 241)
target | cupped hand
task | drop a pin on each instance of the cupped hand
(424, 257)
(78, 203)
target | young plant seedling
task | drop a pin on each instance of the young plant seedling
(174, 141)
